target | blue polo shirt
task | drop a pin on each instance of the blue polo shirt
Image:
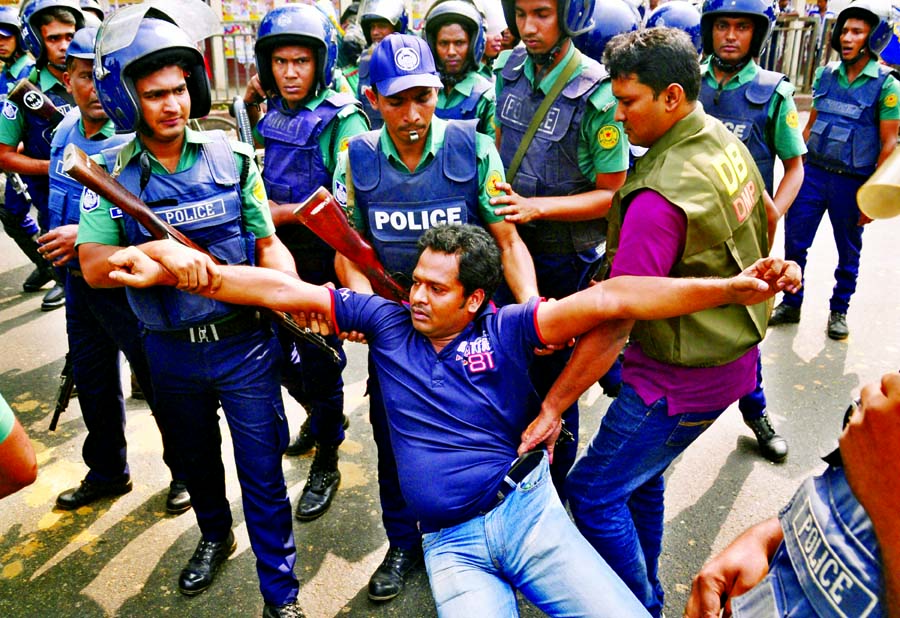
(456, 416)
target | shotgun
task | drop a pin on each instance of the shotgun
(93, 176)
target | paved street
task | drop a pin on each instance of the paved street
(122, 557)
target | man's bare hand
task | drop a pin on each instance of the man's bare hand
(316, 322)
(58, 245)
(513, 207)
(734, 571)
(766, 277)
(544, 429)
(193, 270)
(134, 268)
(254, 95)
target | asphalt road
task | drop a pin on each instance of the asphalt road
(122, 557)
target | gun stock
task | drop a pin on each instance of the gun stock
(323, 215)
(29, 98)
(238, 110)
(64, 394)
(92, 175)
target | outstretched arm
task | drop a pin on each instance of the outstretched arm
(734, 571)
(194, 272)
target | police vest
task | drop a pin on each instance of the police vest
(36, 141)
(828, 564)
(9, 80)
(701, 168)
(845, 135)
(295, 168)
(375, 119)
(399, 206)
(65, 191)
(467, 108)
(203, 202)
(745, 111)
(550, 166)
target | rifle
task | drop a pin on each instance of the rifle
(64, 394)
(323, 215)
(92, 175)
(238, 110)
(19, 186)
(30, 98)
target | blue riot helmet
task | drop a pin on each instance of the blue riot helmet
(461, 12)
(394, 11)
(9, 23)
(30, 15)
(126, 44)
(877, 13)
(296, 24)
(82, 45)
(575, 16)
(94, 12)
(762, 12)
(682, 15)
(611, 17)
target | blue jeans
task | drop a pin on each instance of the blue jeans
(826, 192)
(616, 487)
(526, 543)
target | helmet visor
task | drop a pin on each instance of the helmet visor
(194, 17)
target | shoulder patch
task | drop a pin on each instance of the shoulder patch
(259, 191)
(89, 200)
(490, 184)
(608, 136)
(343, 145)
(10, 110)
(340, 193)
(792, 119)
(890, 100)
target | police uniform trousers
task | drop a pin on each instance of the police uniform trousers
(100, 323)
(240, 372)
(824, 192)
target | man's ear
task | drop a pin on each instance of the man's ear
(67, 81)
(373, 98)
(674, 96)
(474, 301)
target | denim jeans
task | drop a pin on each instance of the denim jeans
(616, 487)
(526, 543)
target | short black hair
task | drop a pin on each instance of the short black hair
(56, 13)
(159, 60)
(479, 257)
(658, 57)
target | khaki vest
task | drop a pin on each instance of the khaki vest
(703, 169)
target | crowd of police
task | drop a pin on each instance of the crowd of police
(501, 114)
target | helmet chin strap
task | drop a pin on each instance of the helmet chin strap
(863, 53)
(544, 61)
(729, 67)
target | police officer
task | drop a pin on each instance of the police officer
(99, 323)
(455, 33)
(14, 215)
(852, 128)
(383, 180)
(758, 106)
(47, 28)
(306, 125)
(377, 18)
(569, 171)
(151, 79)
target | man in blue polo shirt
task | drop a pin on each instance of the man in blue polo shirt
(456, 371)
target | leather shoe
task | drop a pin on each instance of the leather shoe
(837, 326)
(321, 484)
(91, 491)
(54, 298)
(38, 278)
(784, 314)
(288, 610)
(305, 441)
(771, 445)
(387, 580)
(179, 500)
(201, 569)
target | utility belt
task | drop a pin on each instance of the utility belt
(520, 468)
(837, 170)
(229, 326)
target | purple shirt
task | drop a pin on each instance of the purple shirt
(650, 244)
(455, 416)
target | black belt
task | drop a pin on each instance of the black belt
(215, 331)
(521, 467)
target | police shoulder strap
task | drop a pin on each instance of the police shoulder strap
(561, 81)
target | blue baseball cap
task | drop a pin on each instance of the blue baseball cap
(400, 62)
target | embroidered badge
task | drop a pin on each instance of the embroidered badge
(491, 184)
(89, 200)
(792, 120)
(608, 136)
